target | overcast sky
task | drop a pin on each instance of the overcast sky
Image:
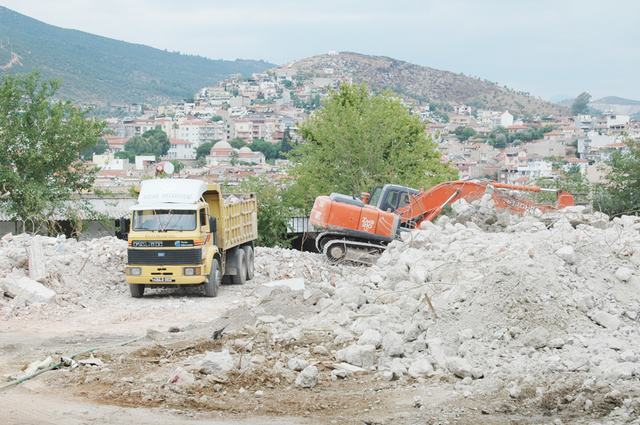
(550, 48)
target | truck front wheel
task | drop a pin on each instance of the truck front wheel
(137, 291)
(213, 282)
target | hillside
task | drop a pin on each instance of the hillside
(618, 105)
(422, 83)
(96, 69)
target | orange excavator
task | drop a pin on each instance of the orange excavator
(366, 225)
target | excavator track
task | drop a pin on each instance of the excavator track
(339, 248)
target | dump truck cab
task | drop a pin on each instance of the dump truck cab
(182, 232)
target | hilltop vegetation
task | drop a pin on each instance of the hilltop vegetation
(100, 70)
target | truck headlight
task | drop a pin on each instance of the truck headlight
(134, 271)
(191, 271)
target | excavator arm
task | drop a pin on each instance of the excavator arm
(427, 205)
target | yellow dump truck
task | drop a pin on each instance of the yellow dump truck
(184, 232)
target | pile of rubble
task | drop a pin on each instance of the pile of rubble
(36, 271)
(545, 315)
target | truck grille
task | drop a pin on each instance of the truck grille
(165, 256)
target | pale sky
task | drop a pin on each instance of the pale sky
(550, 48)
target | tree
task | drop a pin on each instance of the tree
(464, 133)
(621, 194)
(273, 212)
(285, 143)
(237, 143)
(581, 104)
(99, 148)
(152, 142)
(359, 140)
(41, 140)
(204, 149)
(177, 166)
(571, 180)
(270, 150)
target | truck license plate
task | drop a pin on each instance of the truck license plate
(161, 279)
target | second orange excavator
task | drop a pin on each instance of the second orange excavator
(366, 225)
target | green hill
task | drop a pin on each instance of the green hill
(101, 70)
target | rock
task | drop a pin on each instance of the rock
(605, 319)
(259, 394)
(358, 355)
(26, 290)
(392, 345)
(567, 253)
(420, 367)
(351, 295)
(623, 274)
(556, 343)
(537, 338)
(462, 368)
(181, 377)
(308, 378)
(320, 350)
(297, 364)
(370, 337)
(296, 284)
(216, 363)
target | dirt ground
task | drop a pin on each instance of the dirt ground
(175, 326)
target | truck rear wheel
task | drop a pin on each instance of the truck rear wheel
(249, 257)
(137, 291)
(213, 282)
(241, 263)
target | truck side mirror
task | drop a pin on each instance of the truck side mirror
(213, 225)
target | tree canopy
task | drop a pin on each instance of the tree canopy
(359, 140)
(581, 104)
(621, 194)
(41, 140)
(152, 142)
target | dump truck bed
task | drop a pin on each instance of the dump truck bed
(236, 215)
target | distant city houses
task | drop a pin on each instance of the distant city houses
(229, 118)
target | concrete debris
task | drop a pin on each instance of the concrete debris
(217, 363)
(482, 302)
(181, 378)
(26, 290)
(358, 355)
(308, 378)
(297, 364)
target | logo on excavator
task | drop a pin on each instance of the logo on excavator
(367, 224)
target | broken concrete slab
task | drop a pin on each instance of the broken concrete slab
(25, 289)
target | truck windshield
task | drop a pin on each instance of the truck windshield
(164, 220)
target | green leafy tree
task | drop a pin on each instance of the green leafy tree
(177, 166)
(285, 143)
(41, 140)
(273, 212)
(359, 140)
(99, 148)
(581, 104)
(464, 133)
(204, 149)
(621, 193)
(237, 143)
(152, 142)
(571, 180)
(270, 150)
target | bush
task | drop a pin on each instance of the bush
(273, 213)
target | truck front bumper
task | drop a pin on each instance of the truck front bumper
(164, 275)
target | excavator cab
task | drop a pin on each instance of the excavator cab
(391, 197)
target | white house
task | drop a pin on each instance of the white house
(108, 162)
(506, 119)
(617, 121)
(181, 149)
